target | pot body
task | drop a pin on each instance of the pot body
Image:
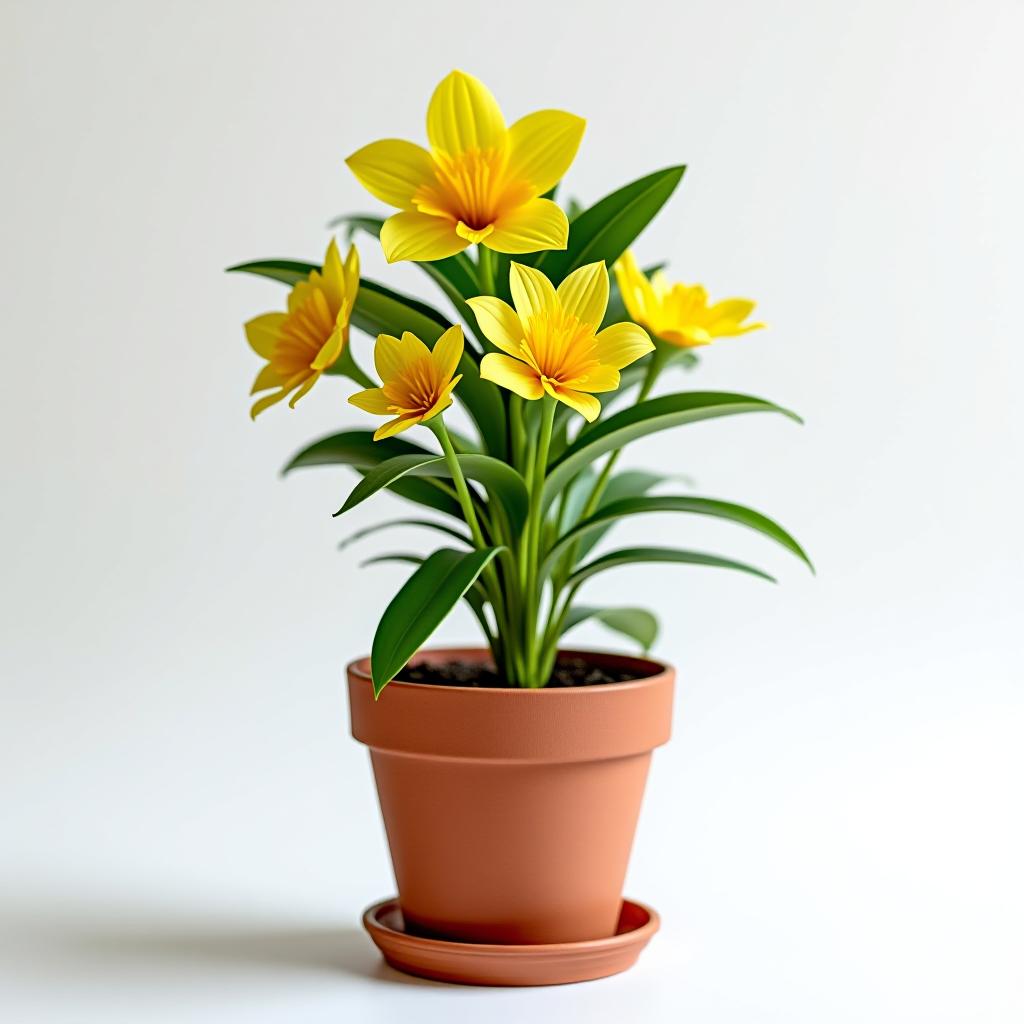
(510, 814)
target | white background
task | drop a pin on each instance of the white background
(834, 834)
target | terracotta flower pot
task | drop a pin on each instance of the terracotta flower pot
(510, 813)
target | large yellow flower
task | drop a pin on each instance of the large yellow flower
(418, 382)
(300, 344)
(552, 340)
(480, 181)
(679, 313)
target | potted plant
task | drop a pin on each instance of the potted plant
(509, 774)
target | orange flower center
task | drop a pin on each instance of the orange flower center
(472, 187)
(309, 323)
(417, 390)
(560, 346)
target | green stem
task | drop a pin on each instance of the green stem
(461, 487)
(490, 577)
(485, 270)
(534, 525)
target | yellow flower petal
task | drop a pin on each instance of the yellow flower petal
(392, 170)
(330, 350)
(447, 352)
(473, 235)
(463, 114)
(622, 344)
(586, 405)
(542, 146)
(584, 293)
(537, 224)
(532, 292)
(396, 426)
(372, 400)
(443, 400)
(333, 274)
(266, 402)
(262, 332)
(499, 322)
(352, 274)
(597, 380)
(512, 374)
(418, 236)
(268, 377)
(304, 390)
(636, 290)
(388, 358)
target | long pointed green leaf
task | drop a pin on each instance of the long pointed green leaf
(285, 271)
(390, 524)
(636, 556)
(357, 448)
(422, 604)
(647, 418)
(620, 508)
(504, 485)
(608, 228)
(636, 623)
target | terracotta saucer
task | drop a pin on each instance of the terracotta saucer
(472, 963)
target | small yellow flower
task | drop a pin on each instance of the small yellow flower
(480, 182)
(552, 341)
(418, 382)
(679, 313)
(300, 344)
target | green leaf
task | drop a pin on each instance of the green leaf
(368, 222)
(285, 271)
(636, 623)
(637, 556)
(390, 524)
(629, 484)
(353, 448)
(422, 604)
(647, 418)
(504, 485)
(616, 510)
(608, 228)
(357, 448)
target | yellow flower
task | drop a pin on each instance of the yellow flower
(552, 341)
(679, 313)
(480, 181)
(418, 382)
(300, 344)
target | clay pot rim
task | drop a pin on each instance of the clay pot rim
(360, 668)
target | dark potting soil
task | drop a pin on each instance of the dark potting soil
(567, 672)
